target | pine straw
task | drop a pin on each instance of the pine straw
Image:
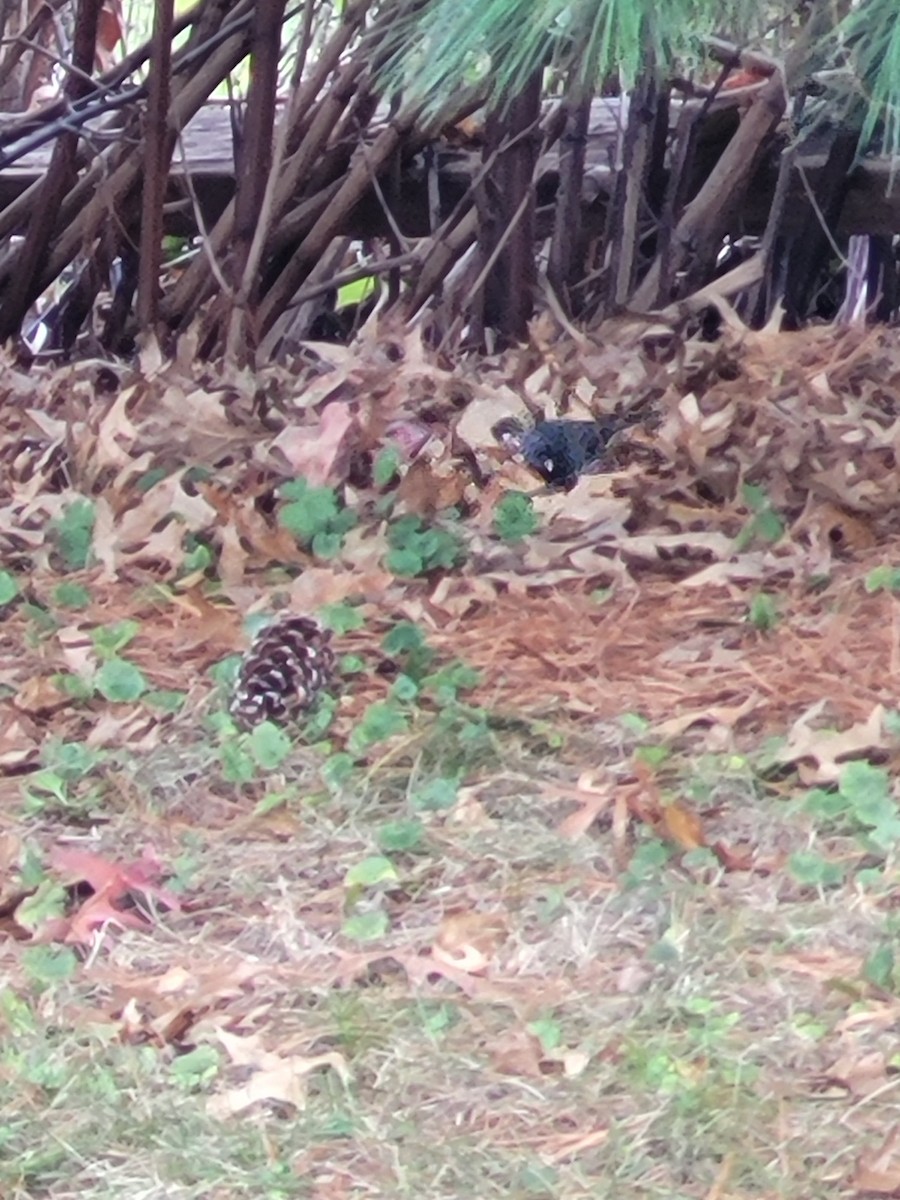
(666, 649)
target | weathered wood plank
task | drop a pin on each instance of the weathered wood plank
(872, 205)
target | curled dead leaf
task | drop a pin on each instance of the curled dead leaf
(469, 941)
(683, 826)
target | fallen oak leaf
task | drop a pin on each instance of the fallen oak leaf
(112, 885)
(716, 714)
(114, 880)
(516, 1052)
(281, 1084)
(736, 858)
(277, 1077)
(524, 995)
(592, 799)
(161, 1009)
(96, 912)
(320, 454)
(829, 750)
(12, 855)
(83, 866)
(19, 742)
(40, 694)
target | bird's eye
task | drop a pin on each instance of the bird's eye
(549, 465)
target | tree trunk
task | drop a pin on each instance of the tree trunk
(506, 238)
(25, 285)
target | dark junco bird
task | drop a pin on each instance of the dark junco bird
(560, 451)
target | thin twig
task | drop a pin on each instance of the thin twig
(353, 275)
(205, 241)
(7, 66)
(811, 197)
(382, 200)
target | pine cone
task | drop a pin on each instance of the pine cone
(288, 665)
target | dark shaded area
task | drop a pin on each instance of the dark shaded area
(477, 224)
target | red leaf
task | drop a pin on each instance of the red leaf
(98, 911)
(113, 880)
(84, 867)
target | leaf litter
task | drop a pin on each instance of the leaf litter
(764, 462)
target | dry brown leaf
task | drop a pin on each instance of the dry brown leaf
(588, 503)
(20, 740)
(150, 356)
(12, 854)
(135, 727)
(274, 1077)
(827, 751)
(574, 1062)
(591, 799)
(116, 433)
(78, 651)
(683, 826)
(320, 454)
(516, 1052)
(469, 941)
(739, 858)
(318, 586)
(40, 694)
(480, 416)
(651, 547)
(232, 564)
(880, 1015)
(831, 526)
(743, 568)
(526, 996)
(468, 810)
(431, 485)
(878, 1171)
(716, 714)
(860, 1074)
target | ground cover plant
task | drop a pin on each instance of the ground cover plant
(578, 879)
